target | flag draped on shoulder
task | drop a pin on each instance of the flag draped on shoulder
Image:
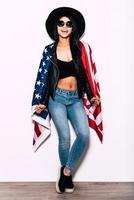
(41, 122)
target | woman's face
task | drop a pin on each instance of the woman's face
(64, 27)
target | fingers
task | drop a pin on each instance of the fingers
(92, 100)
(39, 108)
(95, 101)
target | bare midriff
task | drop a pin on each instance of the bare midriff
(68, 83)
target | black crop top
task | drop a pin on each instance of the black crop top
(66, 68)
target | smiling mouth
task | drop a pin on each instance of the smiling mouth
(64, 31)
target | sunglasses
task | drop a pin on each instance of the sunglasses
(61, 23)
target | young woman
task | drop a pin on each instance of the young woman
(67, 80)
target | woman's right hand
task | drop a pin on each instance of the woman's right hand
(39, 108)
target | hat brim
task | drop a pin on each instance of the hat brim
(65, 11)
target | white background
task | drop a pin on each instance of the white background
(109, 31)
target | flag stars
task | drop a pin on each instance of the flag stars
(40, 70)
(38, 82)
(47, 58)
(37, 96)
(45, 71)
(42, 84)
(43, 63)
(45, 50)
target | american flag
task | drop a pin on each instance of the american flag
(41, 122)
(94, 113)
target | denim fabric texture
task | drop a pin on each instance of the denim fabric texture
(68, 106)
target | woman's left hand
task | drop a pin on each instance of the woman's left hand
(95, 101)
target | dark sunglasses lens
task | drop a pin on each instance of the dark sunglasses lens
(69, 24)
(60, 23)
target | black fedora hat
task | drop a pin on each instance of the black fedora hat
(65, 11)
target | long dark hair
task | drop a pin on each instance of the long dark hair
(74, 44)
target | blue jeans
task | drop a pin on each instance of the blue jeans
(67, 105)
